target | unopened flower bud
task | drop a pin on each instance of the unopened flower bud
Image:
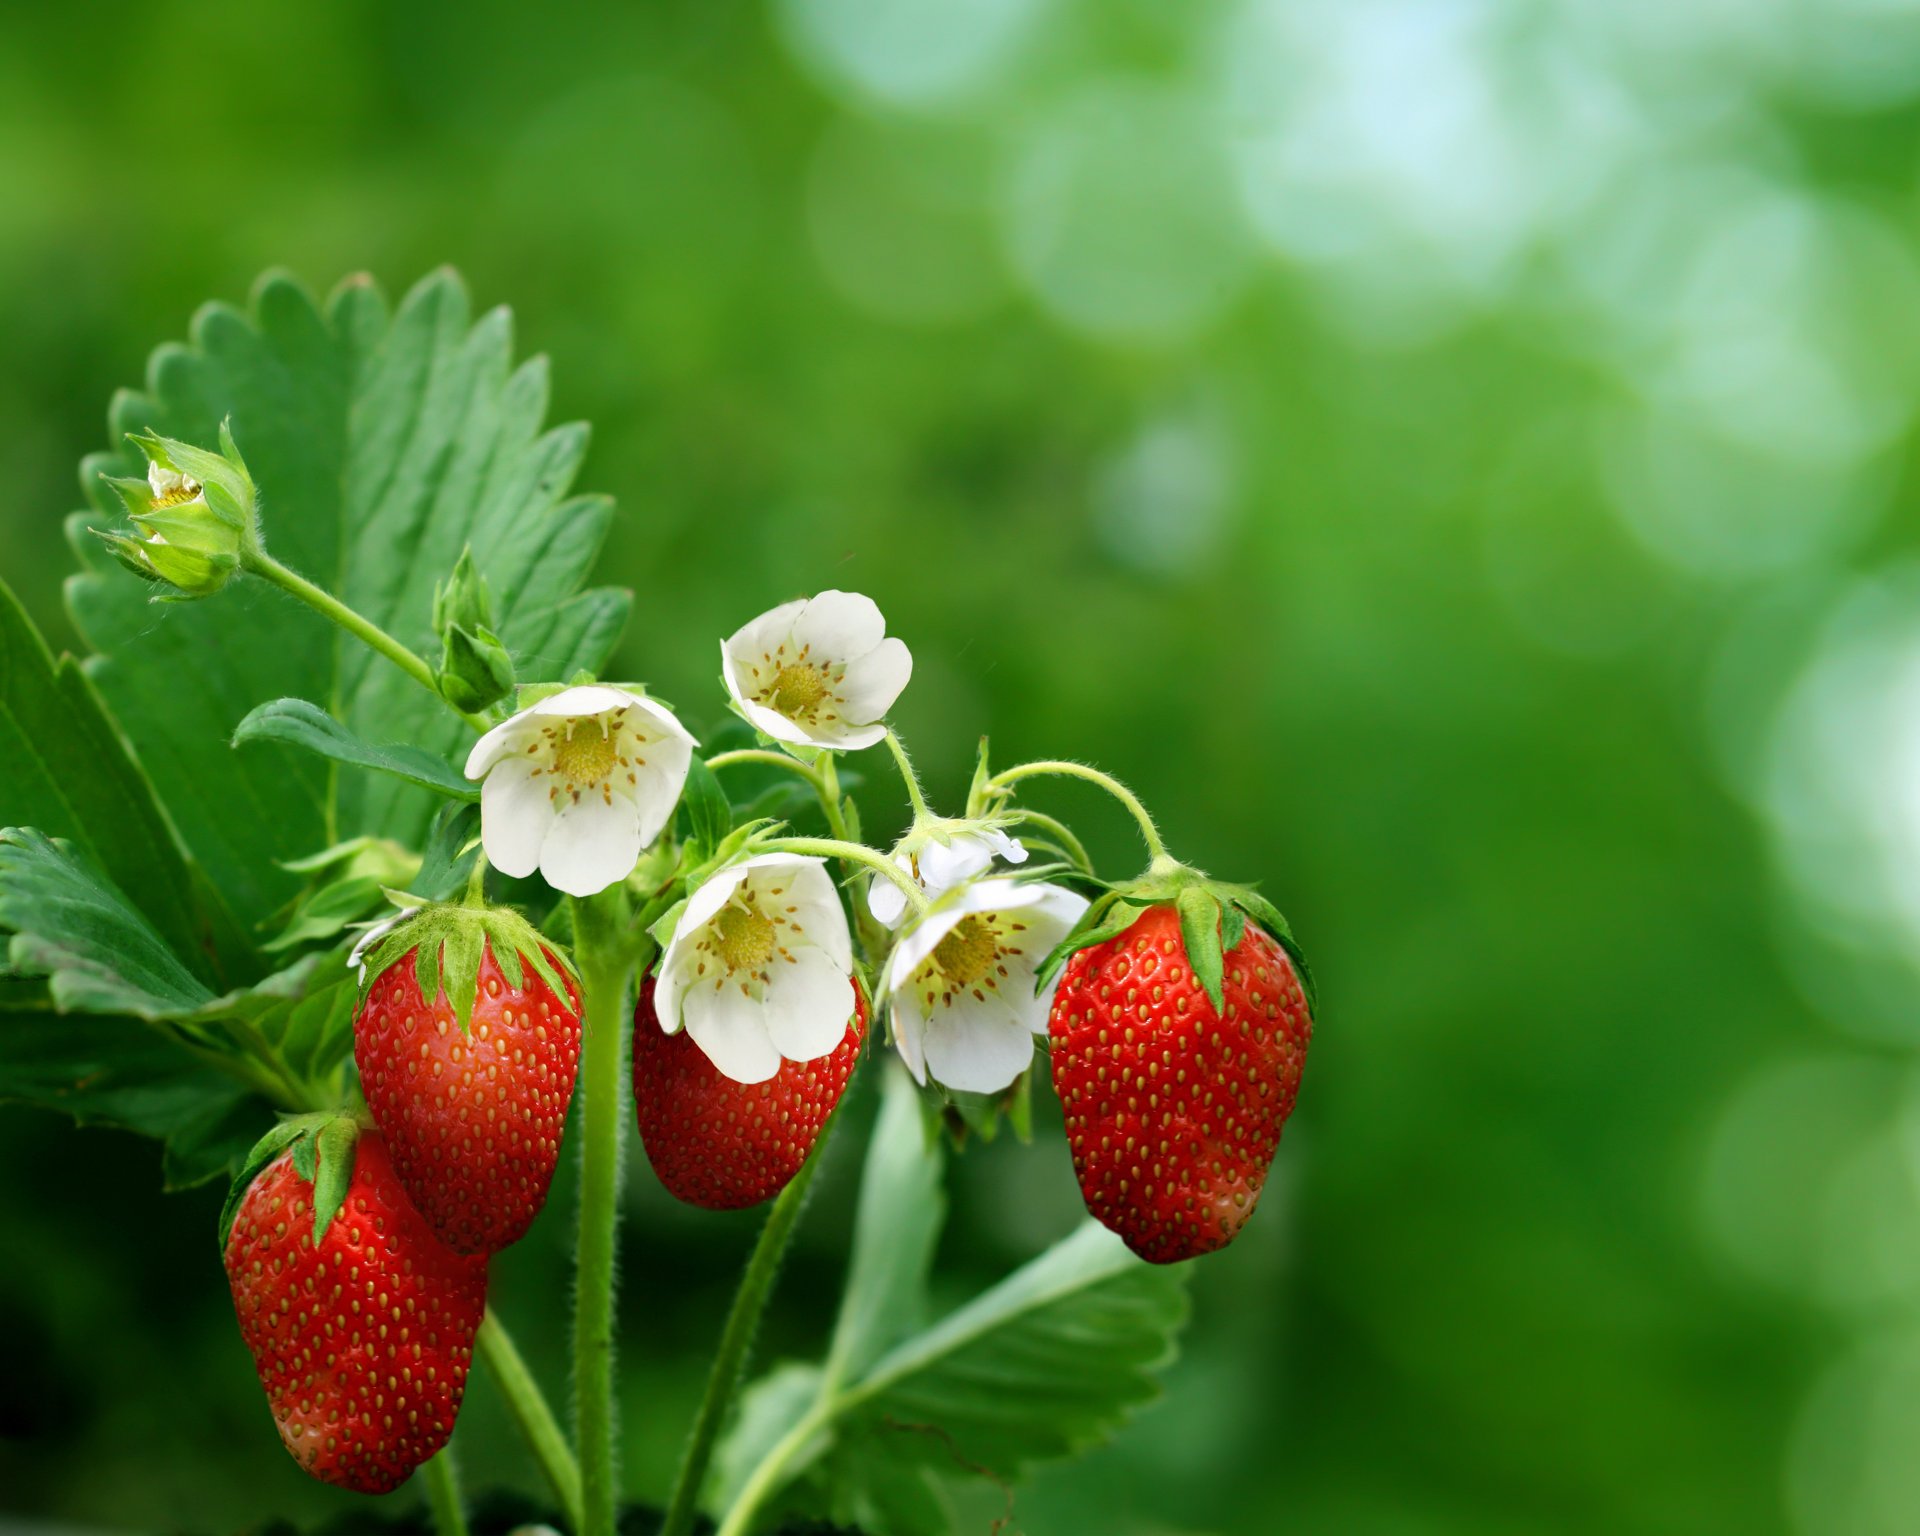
(193, 516)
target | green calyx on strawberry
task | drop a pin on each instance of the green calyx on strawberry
(1179, 1029)
(360, 1321)
(468, 1044)
(447, 941)
(1213, 915)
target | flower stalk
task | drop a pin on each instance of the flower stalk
(743, 1322)
(530, 1411)
(606, 967)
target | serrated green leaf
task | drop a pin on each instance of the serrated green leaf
(903, 1206)
(309, 727)
(1199, 913)
(65, 769)
(74, 926)
(382, 445)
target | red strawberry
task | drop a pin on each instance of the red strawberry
(726, 1145)
(472, 1100)
(362, 1340)
(1173, 1109)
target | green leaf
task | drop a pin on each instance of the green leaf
(65, 769)
(128, 1075)
(74, 926)
(308, 726)
(382, 445)
(903, 1206)
(1047, 1363)
(709, 814)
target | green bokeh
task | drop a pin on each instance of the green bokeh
(1453, 459)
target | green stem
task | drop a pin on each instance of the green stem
(443, 1495)
(530, 1411)
(756, 1285)
(361, 628)
(606, 966)
(1062, 834)
(771, 759)
(772, 1470)
(907, 776)
(829, 790)
(853, 853)
(1156, 849)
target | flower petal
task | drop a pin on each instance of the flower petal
(808, 1004)
(885, 900)
(945, 865)
(978, 1047)
(838, 626)
(766, 634)
(506, 738)
(515, 814)
(909, 1030)
(819, 917)
(875, 680)
(587, 699)
(591, 845)
(843, 738)
(658, 723)
(731, 1028)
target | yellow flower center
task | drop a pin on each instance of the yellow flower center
(797, 688)
(587, 755)
(969, 953)
(745, 938)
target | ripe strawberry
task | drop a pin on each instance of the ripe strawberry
(362, 1339)
(472, 1099)
(1174, 1109)
(726, 1145)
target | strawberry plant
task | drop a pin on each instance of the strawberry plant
(339, 869)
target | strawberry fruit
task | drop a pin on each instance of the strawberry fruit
(359, 1319)
(1174, 1099)
(726, 1145)
(471, 1088)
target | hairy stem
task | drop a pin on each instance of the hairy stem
(908, 777)
(606, 967)
(853, 853)
(1150, 834)
(443, 1495)
(361, 628)
(1062, 834)
(756, 1286)
(769, 758)
(530, 1411)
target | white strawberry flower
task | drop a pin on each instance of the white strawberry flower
(760, 966)
(937, 861)
(819, 672)
(962, 982)
(578, 784)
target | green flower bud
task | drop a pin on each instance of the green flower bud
(194, 516)
(475, 668)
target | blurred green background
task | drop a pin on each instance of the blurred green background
(1455, 457)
